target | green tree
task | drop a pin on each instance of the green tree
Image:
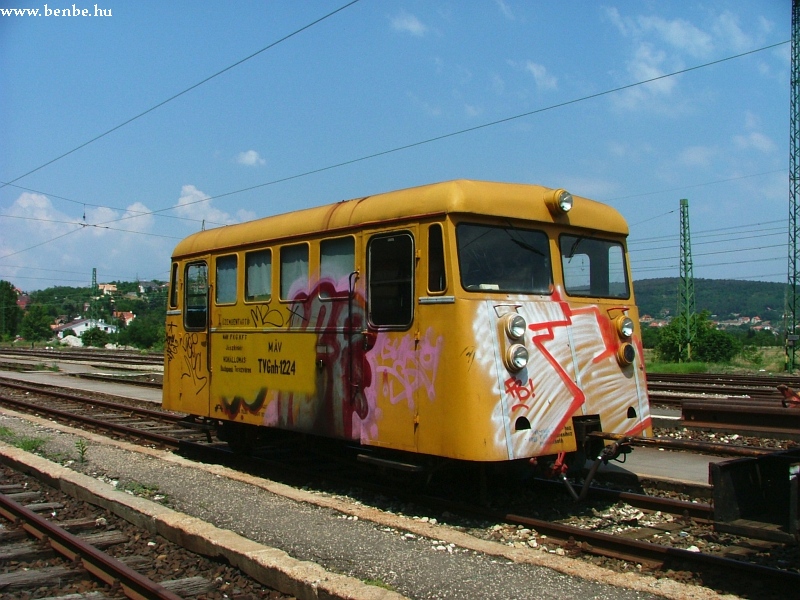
(36, 324)
(95, 337)
(144, 332)
(709, 345)
(649, 337)
(10, 313)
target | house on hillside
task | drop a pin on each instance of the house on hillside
(149, 286)
(23, 300)
(108, 289)
(79, 326)
(124, 316)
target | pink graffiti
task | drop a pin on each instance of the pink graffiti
(401, 369)
(341, 408)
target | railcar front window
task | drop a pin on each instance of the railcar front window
(196, 300)
(504, 259)
(593, 267)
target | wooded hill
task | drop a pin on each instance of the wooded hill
(723, 298)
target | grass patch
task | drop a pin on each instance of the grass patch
(29, 444)
(681, 368)
(142, 490)
(379, 583)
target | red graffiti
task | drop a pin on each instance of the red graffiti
(545, 332)
(341, 409)
(521, 392)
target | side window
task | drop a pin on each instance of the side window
(337, 259)
(258, 276)
(391, 280)
(196, 300)
(225, 292)
(437, 280)
(173, 287)
(294, 270)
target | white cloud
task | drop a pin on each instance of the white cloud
(56, 250)
(679, 34)
(697, 156)
(726, 28)
(544, 81)
(505, 9)
(195, 204)
(428, 109)
(407, 23)
(755, 141)
(251, 158)
(471, 111)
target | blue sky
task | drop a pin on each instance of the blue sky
(377, 76)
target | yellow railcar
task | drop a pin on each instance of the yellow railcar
(464, 320)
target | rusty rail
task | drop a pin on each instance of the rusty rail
(106, 568)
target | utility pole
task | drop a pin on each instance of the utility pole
(93, 305)
(794, 190)
(686, 302)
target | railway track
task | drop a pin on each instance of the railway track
(52, 545)
(635, 528)
(121, 417)
(92, 355)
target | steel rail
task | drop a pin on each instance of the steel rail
(89, 356)
(106, 568)
(699, 511)
(144, 412)
(705, 447)
(618, 546)
(68, 416)
(737, 415)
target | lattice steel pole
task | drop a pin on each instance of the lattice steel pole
(686, 302)
(794, 189)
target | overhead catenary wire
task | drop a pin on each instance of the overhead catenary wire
(181, 93)
(464, 131)
(392, 150)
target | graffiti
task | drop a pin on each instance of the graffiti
(193, 361)
(401, 372)
(521, 392)
(264, 316)
(171, 342)
(339, 408)
(469, 352)
(232, 408)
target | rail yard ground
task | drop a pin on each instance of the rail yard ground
(403, 555)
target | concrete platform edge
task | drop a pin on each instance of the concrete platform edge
(270, 566)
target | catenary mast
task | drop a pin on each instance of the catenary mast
(686, 301)
(794, 189)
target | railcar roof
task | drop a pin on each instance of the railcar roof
(504, 200)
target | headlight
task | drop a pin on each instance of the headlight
(626, 354)
(560, 202)
(514, 326)
(624, 326)
(516, 357)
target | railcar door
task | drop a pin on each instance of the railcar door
(392, 361)
(187, 351)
